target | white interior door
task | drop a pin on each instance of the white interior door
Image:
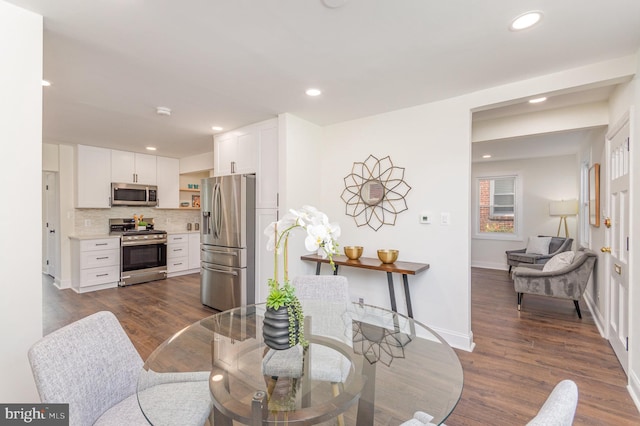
(50, 225)
(618, 238)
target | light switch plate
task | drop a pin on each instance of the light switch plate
(445, 218)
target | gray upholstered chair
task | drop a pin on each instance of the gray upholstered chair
(558, 410)
(318, 292)
(92, 365)
(568, 282)
(560, 407)
(557, 245)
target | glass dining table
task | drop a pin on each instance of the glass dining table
(364, 365)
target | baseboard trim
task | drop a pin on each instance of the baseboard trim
(597, 315)
(456, 340)
(634, 388)
(489, 265)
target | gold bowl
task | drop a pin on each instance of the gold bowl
(388, 256)
(353, 252)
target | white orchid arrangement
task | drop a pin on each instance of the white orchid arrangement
(320, 235)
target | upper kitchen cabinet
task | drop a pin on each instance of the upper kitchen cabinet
(168, 181)
(251, 149)
(130, 167)
(93, 180)
(235, 152)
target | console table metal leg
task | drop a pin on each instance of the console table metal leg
(392, 294)
(407, 296)
(318, 268)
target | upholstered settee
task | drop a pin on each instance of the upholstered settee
(556, 245)
(567, 282)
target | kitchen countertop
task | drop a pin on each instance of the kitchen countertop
(92, 237)
(182, 232)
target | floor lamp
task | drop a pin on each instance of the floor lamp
(563, 209)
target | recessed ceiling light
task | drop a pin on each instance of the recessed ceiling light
(46, 83)
(151, 148)
(537, 100)
(526, 20)
(486, 156)
(216, 128)
(163, 110)
(313, 92)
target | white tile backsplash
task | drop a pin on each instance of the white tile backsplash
(96, 221)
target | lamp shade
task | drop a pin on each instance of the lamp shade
(563, 208)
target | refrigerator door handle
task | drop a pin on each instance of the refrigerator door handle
(217, 211)
(227, 253)
(221, 271)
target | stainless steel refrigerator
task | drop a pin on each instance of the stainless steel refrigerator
(227, 236)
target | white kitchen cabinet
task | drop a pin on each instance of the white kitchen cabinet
(194, 250)
(93, 177)
(95, 264)
(236, 152)
(131, 167)
(178, 255)
(168, 181)
(251, 149)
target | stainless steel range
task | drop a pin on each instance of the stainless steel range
(143, 252)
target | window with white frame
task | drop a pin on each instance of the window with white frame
(497, 207)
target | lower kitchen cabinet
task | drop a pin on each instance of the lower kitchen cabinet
(95, 263)
(181, 255)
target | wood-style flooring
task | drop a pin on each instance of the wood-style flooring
(518, 358)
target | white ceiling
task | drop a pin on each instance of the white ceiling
(235, 62)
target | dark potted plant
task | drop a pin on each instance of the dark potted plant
(284, 319)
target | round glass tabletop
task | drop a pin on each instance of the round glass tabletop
(363, 364)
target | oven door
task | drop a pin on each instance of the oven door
(143, 263)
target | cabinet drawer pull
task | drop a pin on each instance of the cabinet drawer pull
(177, 238)
(101, 244)
(176, 264)
(102, 258)
(177, 249)
(101, 275)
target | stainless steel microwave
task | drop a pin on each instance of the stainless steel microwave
(132, 194)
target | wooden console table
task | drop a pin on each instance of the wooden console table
(404, 268)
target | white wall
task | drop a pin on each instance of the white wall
(431, 143)
(20, 131)
(543, 180)
(197, 163)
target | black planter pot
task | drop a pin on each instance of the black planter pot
(275, 328)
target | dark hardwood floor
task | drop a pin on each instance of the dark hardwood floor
(518, 358)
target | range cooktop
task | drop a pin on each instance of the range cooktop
(127, 227)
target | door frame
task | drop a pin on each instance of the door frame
(50, 221)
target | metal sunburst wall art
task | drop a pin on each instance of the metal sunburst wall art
(375, 192)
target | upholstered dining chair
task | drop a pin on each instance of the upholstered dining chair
(558, 409)
(560, 406)
(92, 365)
(326, 364)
